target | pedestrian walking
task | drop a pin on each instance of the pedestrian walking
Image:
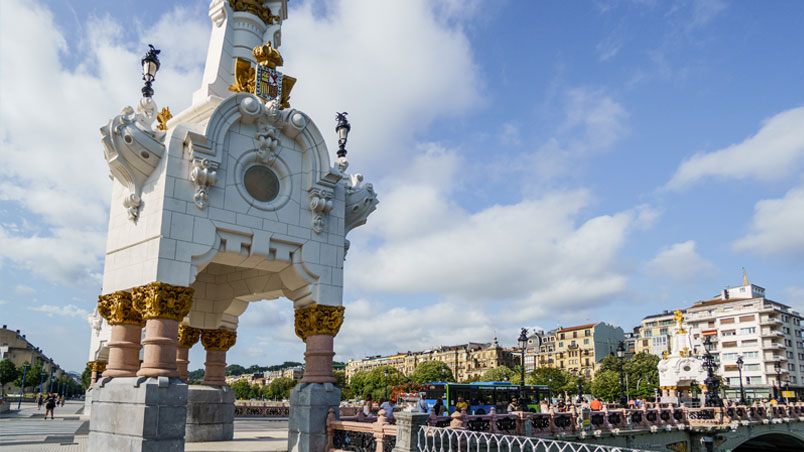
(50, 405)
(40, 400)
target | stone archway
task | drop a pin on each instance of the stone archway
(778, 442)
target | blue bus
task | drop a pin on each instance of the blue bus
(481, 396)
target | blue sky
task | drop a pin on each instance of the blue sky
(537, 163)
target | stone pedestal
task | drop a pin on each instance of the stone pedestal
(88, 402)
(210, 413)
(309, 406)
(407, 430)
(138, 414)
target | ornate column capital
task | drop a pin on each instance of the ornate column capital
(97, 366)
(158, 300)
(318, 319)
(188, 336)
(220, 339)
(118, 309)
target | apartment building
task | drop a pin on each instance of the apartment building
(577, 349)
(654, 333)
(740, 321)
(15, 347)
(466, 361)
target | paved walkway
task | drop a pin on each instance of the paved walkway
(27, 431)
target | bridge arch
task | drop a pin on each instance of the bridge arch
(775, 441)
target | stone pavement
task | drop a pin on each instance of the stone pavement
(27, 431)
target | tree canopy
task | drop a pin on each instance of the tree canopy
(432, 371)
(373, 382)
(500, 373)
(8, 372)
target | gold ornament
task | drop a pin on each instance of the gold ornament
(255, 7)
(158, 300)
(96, 366)
(118, 309)
(163, 117)
(188, 336)
(318, 319)
(218, 339)
(268, 56)
(245, 77)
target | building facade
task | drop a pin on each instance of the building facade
(741, 322)
(466, 361)
(655, 334)
(577, 349)
(15, 347)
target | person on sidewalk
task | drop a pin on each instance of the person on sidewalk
(596, 405)
(50, 405)
(40, 400)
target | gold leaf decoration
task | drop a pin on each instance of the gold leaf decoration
(118, 309)
(245, 77)
(318, 319)
(158, 300)
(268, 56)
(163, 117)
(188, 336)
(255, 7)
(96, 366)
(218, 339)
(287, 85)
(678, 446)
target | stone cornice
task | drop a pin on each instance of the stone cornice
(318, 319)
(158, 300)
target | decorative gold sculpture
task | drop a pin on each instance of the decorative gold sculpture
(245, 77)
(118, 309)
(665, 354)
(96, 366)
(158, 300)
(268, 56)
(188, 336)
(318, 319)
(678, 316)
(255, 7)
(163, 117)
(218, 339)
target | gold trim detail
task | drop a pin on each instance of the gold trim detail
(678, 446)
(287, 85)
(255, 7)
(318, 319)
(163, 117)
(96, 366)
(268, 56)
(245, 77)
(221, 339)
(188, 336)
(118, 309)
(678, 316)
(158, 300)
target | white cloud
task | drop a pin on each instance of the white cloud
(703, 11)
(24, 291)
(70, 310)
(777, 226)
(776, 151)
(682, 264)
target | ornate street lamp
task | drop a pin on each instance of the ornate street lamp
(150, 65)
(740, 369)
(621, 356)
(778, 367)
(342, 128)
(580, 388)
(712, 382)
(22, 387)
(523, 343)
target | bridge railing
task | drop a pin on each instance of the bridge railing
(358, 436)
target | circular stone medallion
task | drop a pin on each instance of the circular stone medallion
(261, 183)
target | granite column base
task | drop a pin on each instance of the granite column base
(138, 414)
(210, 413)
(309, 406)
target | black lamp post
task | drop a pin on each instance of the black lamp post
(150, 65)
(778, 367)
(386, 383)
(740, 369)
(342, 128)
(621, 356)
(549, 389)
(523, 343)
(712, 382)
(580, 388)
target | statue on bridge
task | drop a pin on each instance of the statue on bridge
(680, 369)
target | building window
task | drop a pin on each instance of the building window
(586, 342)
(728, 333)
(746, 318)
(587, 333)
(750, 367)
(750, 342)
(729, 356)
(729, 344)
(749, 330)
(562, 337)
(727, 321)
(751, 355)
(663, 331)
(561, 344)
(649, 333)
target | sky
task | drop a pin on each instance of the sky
(538, 163)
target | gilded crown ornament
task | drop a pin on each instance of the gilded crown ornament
(318, 319)
(118, 309)
(267, 56)
(218, 339)
(163, 117)
(158, 300)
(188, 336)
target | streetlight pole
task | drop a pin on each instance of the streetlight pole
(51, 380)
(580, 388)
(778, 367)
(740, 369)
(523, 343)
(22, 387)
(386, 383)
(712, 383)
(621, 356)
(550, 389)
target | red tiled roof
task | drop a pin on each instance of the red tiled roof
(579, 327)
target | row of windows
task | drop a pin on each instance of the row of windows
(572, 343)
(575, 334)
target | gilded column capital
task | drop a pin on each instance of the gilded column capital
(158, 300)
(188, 336)
(318, 319)
(218, 339)
(97, 366)
(118, 309)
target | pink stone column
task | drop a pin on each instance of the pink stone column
(318, 359)
(182, 362)
(96, 367)
(187, 338)
(216, 343)
(124, 351)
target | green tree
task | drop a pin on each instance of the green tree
(31, 376)
(235, 369)
(280, 388)
(431, 371)
(8, 373)
(373, 382)
(606, 385)
(500, 373)
(241, 389)
(86, 378)
(642, 369)
(195, 375)
(346, 390)
(610, 362)
(555, 379)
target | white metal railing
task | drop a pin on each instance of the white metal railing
(438, 439)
